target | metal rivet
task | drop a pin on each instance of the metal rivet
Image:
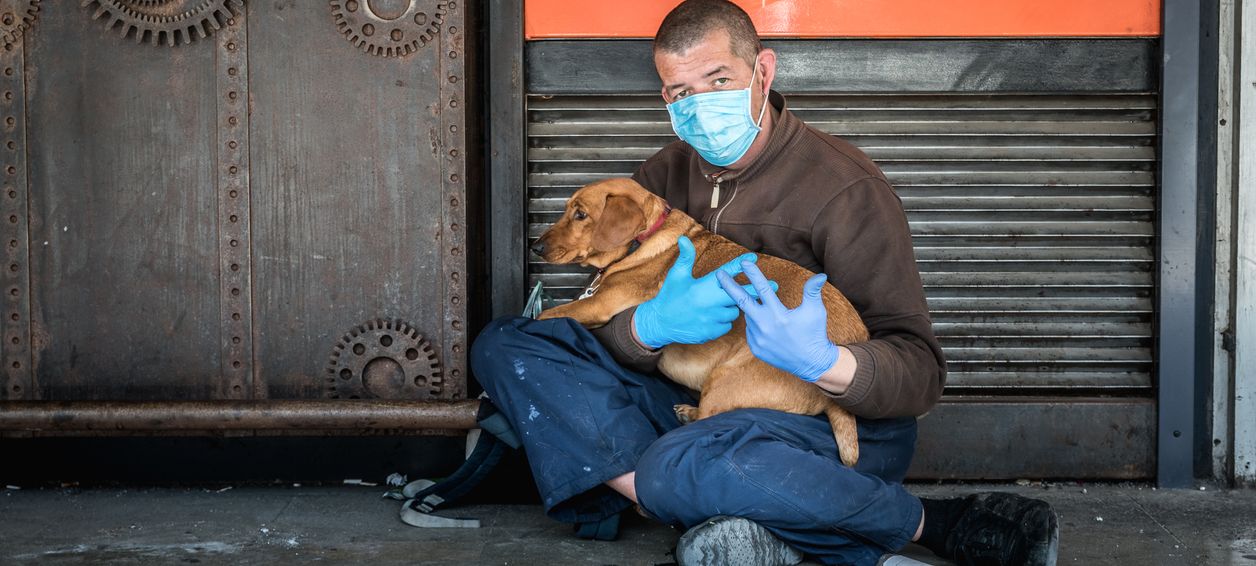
(11, 145)
(235, 316)
(455, 300)
(368, 30)
(235, 292)
(455, 373)
(8, 71)
(14, 267)
(17, 365)
(12, 194)
(235, 388)
(232, 144)
(453, 54)
(453, 29)
(11, 170)
(233, 193)
(454, 177)
(233, 169)
(234, 218)
(233, 120)
(231, 46)
(235, 243)
(453, 103)
(13, 218)
(232, 95)
(457, 348)
(451, 128)
(232, 71)
(235, 339)
(453, 153)
(236, 364)
(453, 79)
(453, 202)
(396, 34)
(235, 267)
(14, 316)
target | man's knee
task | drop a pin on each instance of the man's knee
(494, 344)
(678, 465)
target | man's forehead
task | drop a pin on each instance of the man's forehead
(713, 50)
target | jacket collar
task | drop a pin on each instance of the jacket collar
(785, 128)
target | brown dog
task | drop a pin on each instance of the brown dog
(599, 227)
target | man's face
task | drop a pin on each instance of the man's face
(710, 65)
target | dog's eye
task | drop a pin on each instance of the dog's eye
(579, 215)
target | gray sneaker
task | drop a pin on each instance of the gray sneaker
(733, 541)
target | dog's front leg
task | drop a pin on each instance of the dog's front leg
(597, 310)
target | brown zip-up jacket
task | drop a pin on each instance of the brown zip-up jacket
(820, 202)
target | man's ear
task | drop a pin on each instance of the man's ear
(621, 219)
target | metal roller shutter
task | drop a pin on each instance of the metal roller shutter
(1032, 218)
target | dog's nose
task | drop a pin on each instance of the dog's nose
(538, 247)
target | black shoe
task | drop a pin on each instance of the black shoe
(733, 541)
(1004, 529)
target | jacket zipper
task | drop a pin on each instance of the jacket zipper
(715, 222)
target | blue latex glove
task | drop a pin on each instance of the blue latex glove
(688, 310)
(796, 340)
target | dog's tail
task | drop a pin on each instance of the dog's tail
(845, 432)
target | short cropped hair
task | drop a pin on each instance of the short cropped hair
(692, 20)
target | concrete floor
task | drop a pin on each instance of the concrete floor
(1101, 524)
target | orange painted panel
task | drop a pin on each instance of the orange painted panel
(862, 18)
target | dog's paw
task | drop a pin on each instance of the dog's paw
(686, 413)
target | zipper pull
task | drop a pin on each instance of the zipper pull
(715, 195)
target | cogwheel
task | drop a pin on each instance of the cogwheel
(172, 22)
(394, 36)
(383, 359)
(16, 16)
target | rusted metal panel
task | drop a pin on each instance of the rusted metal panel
(123, 209)
(357, 195)
(234, 200)
(1066, 437)
(15, 355)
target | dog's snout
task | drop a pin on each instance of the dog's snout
(538, 247)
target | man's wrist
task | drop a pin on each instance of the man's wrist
(632, 325)
(841, 374)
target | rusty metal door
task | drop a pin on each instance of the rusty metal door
(230, 200)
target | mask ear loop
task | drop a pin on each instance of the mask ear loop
(762, 109)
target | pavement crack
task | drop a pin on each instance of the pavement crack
(1154, 520)
(275, 519)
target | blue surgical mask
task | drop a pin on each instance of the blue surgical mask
(717, 124)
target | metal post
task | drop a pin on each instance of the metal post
(1223, 287)
(1178, 241)
(1245, 267)
(109, 418)
(507, 180)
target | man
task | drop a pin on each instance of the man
(753, 486)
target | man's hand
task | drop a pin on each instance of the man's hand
(795, 340)
(688, 310)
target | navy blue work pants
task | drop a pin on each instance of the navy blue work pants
(584, 419)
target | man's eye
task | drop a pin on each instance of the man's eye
(721, 81)
(681, 94)
(579, 215)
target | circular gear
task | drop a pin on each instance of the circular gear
(390, 34)
(16, 16)
(172, 22)
(383, 359)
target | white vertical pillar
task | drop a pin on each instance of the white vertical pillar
(1223, 303)
(1245, 242)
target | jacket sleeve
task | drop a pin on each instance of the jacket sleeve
(862, 239)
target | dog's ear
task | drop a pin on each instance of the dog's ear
(621, 219)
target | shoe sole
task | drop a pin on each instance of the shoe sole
(733, 541)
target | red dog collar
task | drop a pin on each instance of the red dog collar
(654, 228)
